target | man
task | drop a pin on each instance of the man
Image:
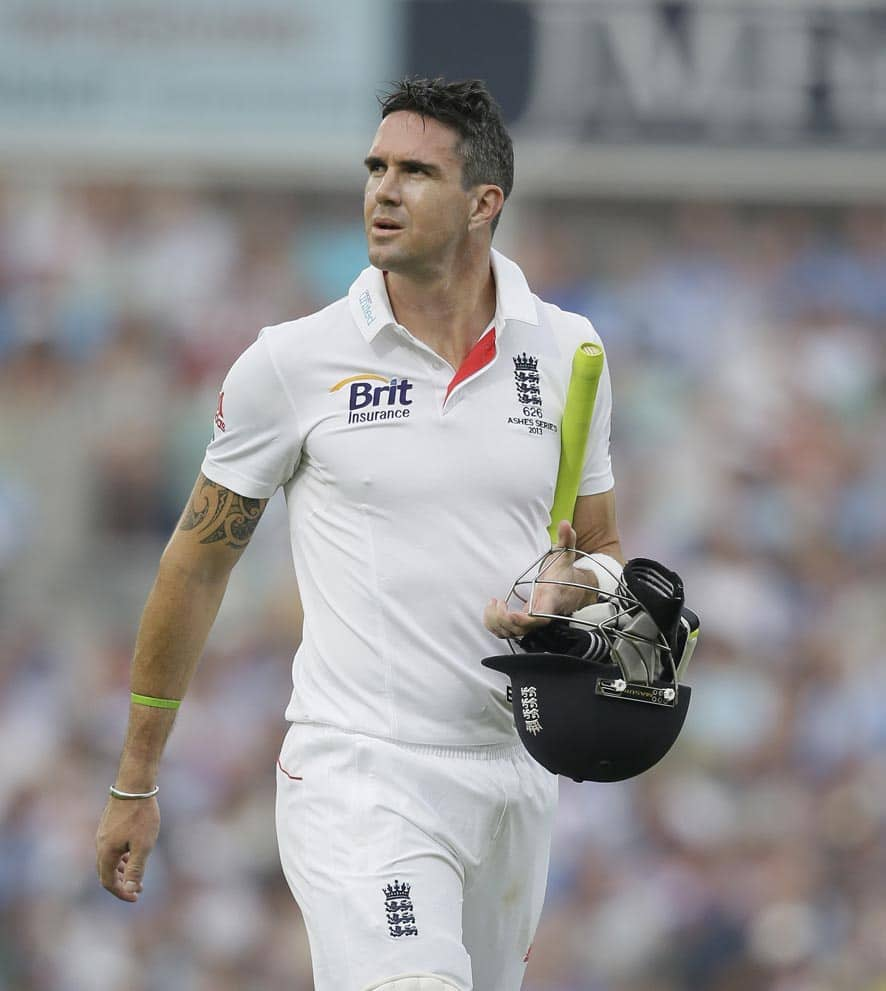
(413, 428)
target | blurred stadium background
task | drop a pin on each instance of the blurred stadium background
(707, 182)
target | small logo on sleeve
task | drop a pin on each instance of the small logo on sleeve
(373, 397)
(399, 911)
(219, 413)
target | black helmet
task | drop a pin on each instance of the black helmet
(597, 695)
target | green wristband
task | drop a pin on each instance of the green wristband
(155, 703)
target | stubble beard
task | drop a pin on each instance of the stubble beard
(405, 260)
(393, 258)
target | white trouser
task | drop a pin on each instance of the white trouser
(414, 982)
(408, 859)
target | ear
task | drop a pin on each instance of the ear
(485, 206)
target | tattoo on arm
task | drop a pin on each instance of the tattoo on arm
(217, 513)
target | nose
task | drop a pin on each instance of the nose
(388, 188)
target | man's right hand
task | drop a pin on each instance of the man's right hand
(126, 835)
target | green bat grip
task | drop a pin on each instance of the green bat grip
(587, 364)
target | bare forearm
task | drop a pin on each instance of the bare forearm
(176, 621)
(597, 533)
(177, 618)
(213, 531)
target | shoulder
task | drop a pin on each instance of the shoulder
(567, 327)
(304, 330)
(292, 348)
(521, 304)
(273, 359)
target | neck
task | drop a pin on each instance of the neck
(447, 310)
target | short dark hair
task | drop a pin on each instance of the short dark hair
(485, 147)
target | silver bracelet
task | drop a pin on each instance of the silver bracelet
(127, 795)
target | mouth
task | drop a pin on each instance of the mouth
(383, 225)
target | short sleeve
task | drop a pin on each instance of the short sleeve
(597, 474)
(256, 443)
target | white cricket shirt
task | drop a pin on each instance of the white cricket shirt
(416, 492)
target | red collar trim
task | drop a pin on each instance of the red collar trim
(480, 355)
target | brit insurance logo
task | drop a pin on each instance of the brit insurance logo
(528, 385)
(373, 397)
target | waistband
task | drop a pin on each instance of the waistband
(491, 751)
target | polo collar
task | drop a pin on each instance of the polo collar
(371, 310)
(514, 300)
(369, 304)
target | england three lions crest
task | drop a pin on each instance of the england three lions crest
(530, 402)
(526, 379)
(399, 911)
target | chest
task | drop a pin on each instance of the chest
(406, 427)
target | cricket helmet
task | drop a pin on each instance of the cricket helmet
(598, 695)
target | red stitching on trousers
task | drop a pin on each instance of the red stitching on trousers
(294, 777)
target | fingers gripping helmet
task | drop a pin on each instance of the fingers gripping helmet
(598, 695)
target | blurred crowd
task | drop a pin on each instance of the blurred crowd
(749, 445)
